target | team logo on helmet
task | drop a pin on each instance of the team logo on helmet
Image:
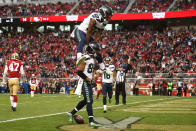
(106, 12)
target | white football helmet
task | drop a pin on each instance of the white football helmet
(107, 61)
(14, 56)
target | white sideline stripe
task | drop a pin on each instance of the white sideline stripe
(36, 102)
(32, 117)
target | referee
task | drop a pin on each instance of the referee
(120, 82)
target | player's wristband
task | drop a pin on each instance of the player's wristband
(81, 74)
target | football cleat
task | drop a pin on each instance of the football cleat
(105, 111)
(70, 117)
(13, 108)
(80, 60)
(110, 100)
(94, 124)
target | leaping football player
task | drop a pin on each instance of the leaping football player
(94, 24)
(85, 70)
(12, 70)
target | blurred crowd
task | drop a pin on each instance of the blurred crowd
(36, 9)
(46, 55)
(141, 6)
(53, 54)
(152, 51)
(88, 6)
(161, 5)
(184, 5)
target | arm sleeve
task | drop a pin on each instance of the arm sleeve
(22, 70)
(30, 82)
(5, 73)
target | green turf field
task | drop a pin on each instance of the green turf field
(47, 113)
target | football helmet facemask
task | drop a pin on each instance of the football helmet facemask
(14, 56)
(106, 12)
(107, 61)
(33, 75)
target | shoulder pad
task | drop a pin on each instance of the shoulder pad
(111, 66)
(97, 17)
(87, 57)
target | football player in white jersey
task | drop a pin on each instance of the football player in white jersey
(85, 71)
(108, 80)
(92, 25)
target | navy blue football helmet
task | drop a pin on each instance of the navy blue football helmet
(106, 12)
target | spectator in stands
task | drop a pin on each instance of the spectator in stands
(184, 5)
(152, 51)
(141, 6)
(36, 9)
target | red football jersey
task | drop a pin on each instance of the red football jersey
(99, 80)
(33, 81)
(14, 68)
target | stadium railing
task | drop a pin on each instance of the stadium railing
(145, 81)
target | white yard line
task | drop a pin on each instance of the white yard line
(32, 117)
(36, 102)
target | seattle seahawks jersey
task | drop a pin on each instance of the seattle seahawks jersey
(100, 22)
(89, 67)
(107, 76)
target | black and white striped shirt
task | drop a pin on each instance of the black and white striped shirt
(120, 76)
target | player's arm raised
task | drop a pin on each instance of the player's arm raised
(90, 29)
(22, 74)
(80, 70)
(114, 75)
(5, 74)
(114, 79)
